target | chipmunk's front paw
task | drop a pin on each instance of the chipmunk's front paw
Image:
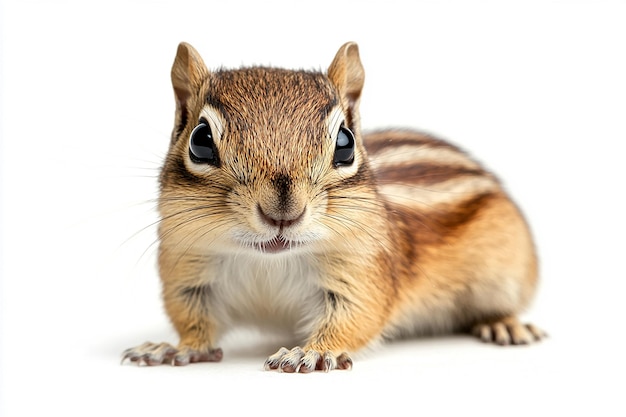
(163, 353)
(299, 360)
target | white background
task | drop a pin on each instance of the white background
(536, 90)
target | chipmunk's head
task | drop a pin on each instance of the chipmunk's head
(263, 159)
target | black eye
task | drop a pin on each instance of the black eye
(344, 147)
(202, 149)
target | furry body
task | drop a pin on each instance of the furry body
(280, 219)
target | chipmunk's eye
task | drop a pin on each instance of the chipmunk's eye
(202, 149)
(344, 147)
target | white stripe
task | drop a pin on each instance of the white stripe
(431, 196)
(420, 154)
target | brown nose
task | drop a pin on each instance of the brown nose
(279, 219)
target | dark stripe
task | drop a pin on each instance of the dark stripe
(336, 301)
(216, 104)
(363, 176)
(331, 297)
(378, 141)
(424, 174)
(282, 183)
(176, 173)
(465, 211)
(436, 225)
(196, 295)
(180, 122)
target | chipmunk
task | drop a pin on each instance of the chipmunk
(276, 209)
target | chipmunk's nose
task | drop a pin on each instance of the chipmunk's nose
(282, 203)
(280, 219)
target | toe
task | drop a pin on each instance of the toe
(536, 332)
(290, 362)
(483, 332)
(344, 362)
(501, 334)
(520, 335)
(508, 331)
(273, 362)
(311, 361)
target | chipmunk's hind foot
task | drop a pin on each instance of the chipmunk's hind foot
(508, 331)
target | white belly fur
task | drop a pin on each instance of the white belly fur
(276, 291)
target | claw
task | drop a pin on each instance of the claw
(152, 354)
(330, 362)
(273, 362)
(297, 360)
(290, 362)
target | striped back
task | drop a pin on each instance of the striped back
(432, 186)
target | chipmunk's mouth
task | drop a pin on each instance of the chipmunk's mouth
(277, 245)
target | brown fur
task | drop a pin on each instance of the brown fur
(412, 237)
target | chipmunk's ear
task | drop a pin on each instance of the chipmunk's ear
(347, 73)
(188, 73)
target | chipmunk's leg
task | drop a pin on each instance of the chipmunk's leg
(187, 303)
(345, 326)
(195, 326)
